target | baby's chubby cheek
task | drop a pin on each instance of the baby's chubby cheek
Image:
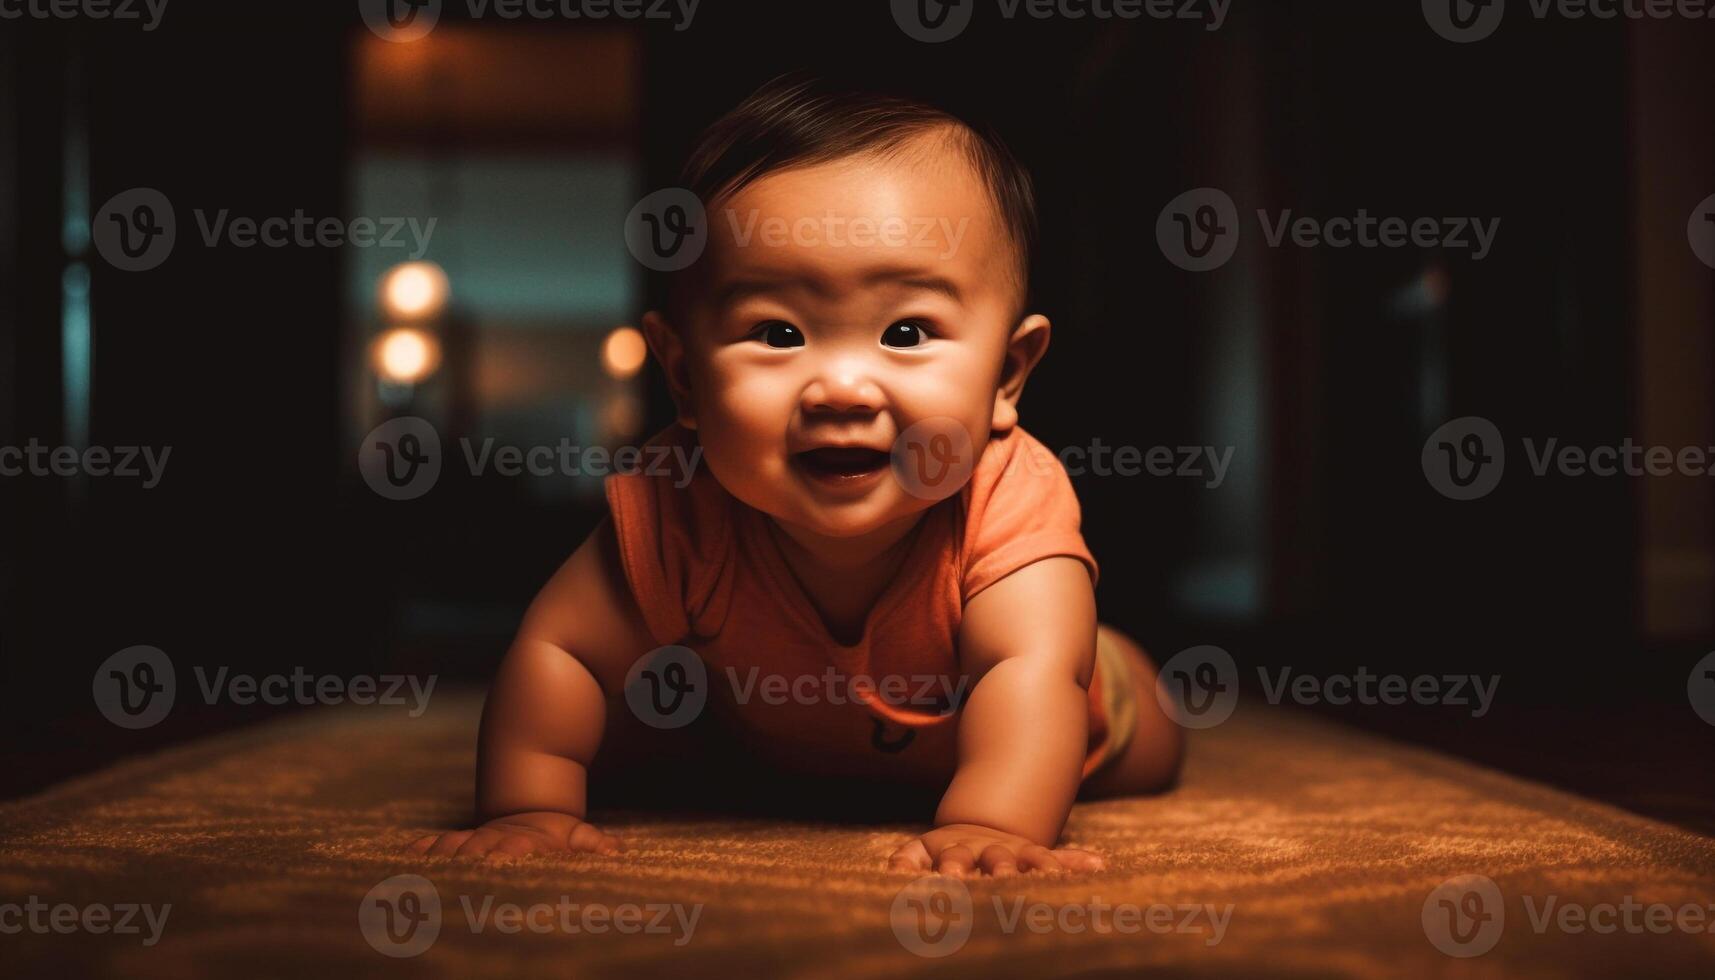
(742, 424)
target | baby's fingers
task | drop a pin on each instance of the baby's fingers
(912, 857)
(998, 861)
(1039, 858)
(480, 843)
(422, 844)
(587, 838)
(955, 861)
(516, 845)
(450, 842)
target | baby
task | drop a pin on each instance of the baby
(848, 354)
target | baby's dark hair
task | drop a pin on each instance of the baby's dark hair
(796, 121)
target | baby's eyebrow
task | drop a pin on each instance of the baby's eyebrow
(932, 284)
(738, 290)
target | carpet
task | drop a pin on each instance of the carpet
(1292, 848)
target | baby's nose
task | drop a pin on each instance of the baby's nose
(843, 386)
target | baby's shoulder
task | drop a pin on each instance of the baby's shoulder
(1016, 466)
(673, 528)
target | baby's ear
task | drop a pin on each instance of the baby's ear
(669, 350)
(1024, 349)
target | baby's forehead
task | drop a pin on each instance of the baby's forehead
(931, 172)
(918, 212)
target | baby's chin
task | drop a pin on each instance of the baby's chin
(847, 519)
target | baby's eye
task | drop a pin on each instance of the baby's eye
(905, 333)
(779, 333)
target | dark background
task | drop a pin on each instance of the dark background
(1590, 321)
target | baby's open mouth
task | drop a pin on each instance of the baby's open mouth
(841, 463)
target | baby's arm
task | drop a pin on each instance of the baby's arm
(546, 712)
(1028, 642)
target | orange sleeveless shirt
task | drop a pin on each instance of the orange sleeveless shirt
(708, 574)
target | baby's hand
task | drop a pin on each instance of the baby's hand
(960, 849)
(518, 834)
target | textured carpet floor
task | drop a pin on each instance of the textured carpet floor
(1326, 844)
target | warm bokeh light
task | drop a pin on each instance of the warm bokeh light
(624, 352)
(414, 290)
(622, 416)
(406, 355)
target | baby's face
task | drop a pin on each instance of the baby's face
(843, 304)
